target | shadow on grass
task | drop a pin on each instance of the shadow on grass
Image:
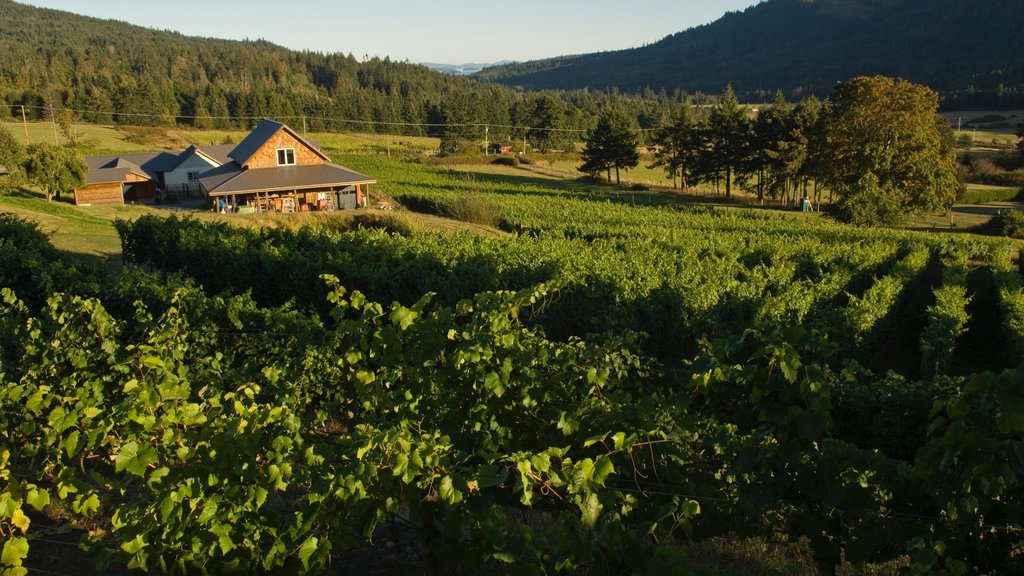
(110, 261)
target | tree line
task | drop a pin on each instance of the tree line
(877, 143)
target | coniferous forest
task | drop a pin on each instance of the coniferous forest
(968, 51)
(108, 71)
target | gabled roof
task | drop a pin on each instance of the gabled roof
(232, 179)
(219, 152)
(107, 176)
(216, 155)
(149, 164)
(260, 135)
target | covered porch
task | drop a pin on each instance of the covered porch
(313, 199)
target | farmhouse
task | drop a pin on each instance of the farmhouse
(275, 169)
(272, 169)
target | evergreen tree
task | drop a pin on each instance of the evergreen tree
(611, 145)
(460, 115)
(809, 131)
(727, 138)
(547, 121)
(767, 140)
(678, 145)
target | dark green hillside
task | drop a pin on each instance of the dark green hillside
(110, 71)
(968, 51)
(114, 71)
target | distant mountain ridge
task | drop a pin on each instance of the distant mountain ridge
(963, 48)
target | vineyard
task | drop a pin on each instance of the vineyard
(616, 379)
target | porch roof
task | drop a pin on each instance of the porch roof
(231, 179)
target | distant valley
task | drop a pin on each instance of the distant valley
(462, 69)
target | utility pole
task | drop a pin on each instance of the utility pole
(24, 122)
(487, 132)
(303, 124)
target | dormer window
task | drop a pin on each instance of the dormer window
(286, 156)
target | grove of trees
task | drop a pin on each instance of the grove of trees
(877, 145)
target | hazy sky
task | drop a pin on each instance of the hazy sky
(441, 31)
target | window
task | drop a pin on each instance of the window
(285, 156)
(193, 176)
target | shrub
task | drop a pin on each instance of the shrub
(867, 203)
(397, 222)
(473, 209)
(1001, 172)
(1010, 223)
(987, 118)
(506, 161)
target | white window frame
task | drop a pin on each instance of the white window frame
(193, 176)
(286, 156)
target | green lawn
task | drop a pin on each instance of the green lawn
(93, 137)
(82, 232)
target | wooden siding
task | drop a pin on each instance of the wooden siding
(144, 190)
(266, 156)
(100, 195)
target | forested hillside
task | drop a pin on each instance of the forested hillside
(968, 51)
(108, 71)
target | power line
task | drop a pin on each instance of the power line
(483, 125)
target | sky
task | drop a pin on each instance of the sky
(439, 31)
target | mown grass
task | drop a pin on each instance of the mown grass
(86, 234)
(90, 136)
(983, 194)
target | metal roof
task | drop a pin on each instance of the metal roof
(221, 153)
(231, 179)
(260, 135)
(149, 164)
(230, 159)
(110, 175)
(217, 155)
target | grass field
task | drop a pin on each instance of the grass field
(81, 232)
(93, 137)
